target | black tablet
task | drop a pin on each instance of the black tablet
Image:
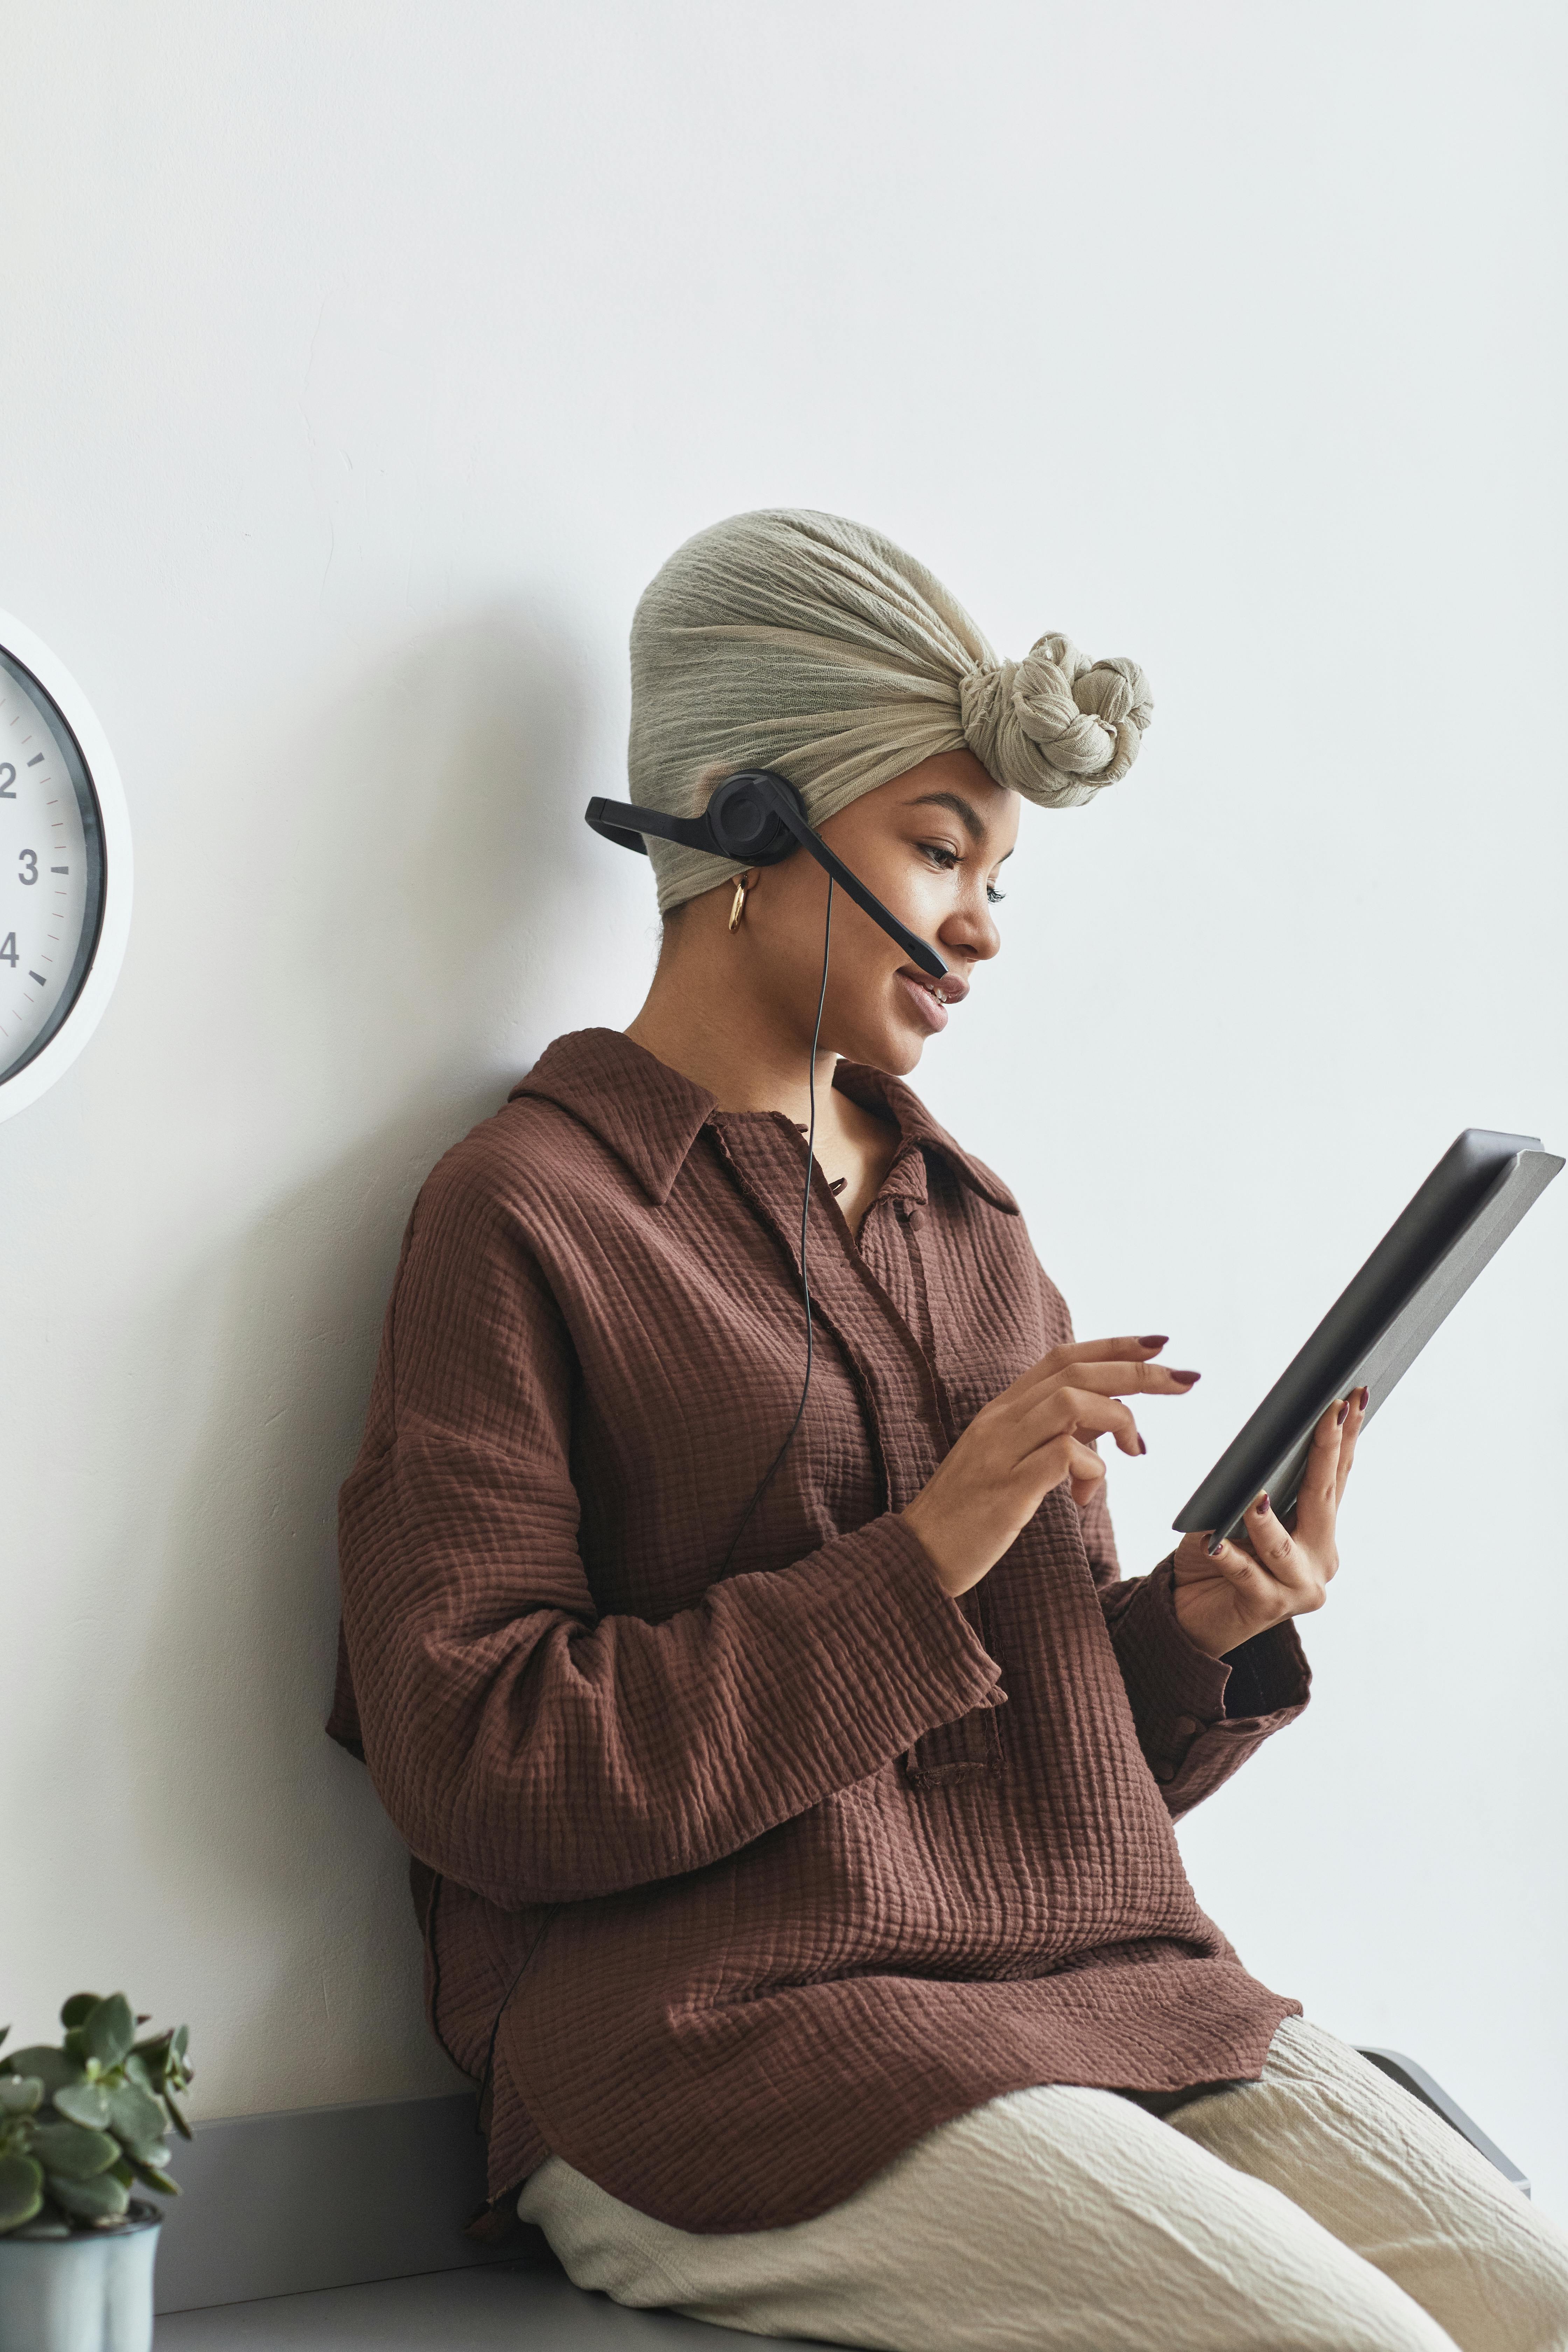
(1378, 1324)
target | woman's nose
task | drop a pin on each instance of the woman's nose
(970, 933)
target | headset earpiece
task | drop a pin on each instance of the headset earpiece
(744, 821)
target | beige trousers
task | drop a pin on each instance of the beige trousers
(1320, 2209)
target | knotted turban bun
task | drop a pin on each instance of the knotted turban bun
(1056, 727)
(798, 641)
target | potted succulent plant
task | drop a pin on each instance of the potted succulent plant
(81, 2126)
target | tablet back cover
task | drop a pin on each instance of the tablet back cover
(1376, 1330)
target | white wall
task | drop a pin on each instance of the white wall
(361, 363)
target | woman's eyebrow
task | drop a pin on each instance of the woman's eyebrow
(969, 817)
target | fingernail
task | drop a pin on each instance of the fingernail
(1156, 1339)
(1365, 1398)
(1142, 1448)
(1186, 1378)
(1263, 1507)
(1340, 1416)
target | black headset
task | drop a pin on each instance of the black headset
(756, 818)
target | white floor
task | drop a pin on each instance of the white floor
(522, 2309)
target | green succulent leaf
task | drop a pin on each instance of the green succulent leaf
(109, 2029)
(132, 2115)
(154, 2176)
(21, 2191)
(164, 2059)
(20, 2095)
(52, 2067)
(136, 2070)
(99, 2199)
(177, 2119)
(47, 2222)
(78, 2009)
(70, 2152)
(83, 2102)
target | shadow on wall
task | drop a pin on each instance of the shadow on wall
(437, 804)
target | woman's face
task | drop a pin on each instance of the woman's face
(931, 846)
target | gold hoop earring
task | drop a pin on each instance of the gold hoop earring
(738, 903)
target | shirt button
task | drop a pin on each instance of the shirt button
(914, 1218)
(1188, 1724)
(1164, 1772)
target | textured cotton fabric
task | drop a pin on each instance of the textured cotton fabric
(797, 641)
(740, 1874)
(1320, 2209)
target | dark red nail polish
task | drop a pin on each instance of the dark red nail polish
(1156, 1339)
(1263, 1505)
(1340, 1416)
(1186, 1378)
(1142, 1448)
(1365, 1398)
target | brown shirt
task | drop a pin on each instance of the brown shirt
(736, 1883)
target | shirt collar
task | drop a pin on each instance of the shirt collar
(650, 1116)
(648, 1113)
(874, 1090)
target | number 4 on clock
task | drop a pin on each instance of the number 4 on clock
(8, 949)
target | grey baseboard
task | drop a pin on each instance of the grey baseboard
(324, 2197)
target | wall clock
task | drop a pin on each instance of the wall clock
(65, 869)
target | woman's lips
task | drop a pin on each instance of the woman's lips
(929, 999)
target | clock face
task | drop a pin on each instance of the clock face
(65, 869)
(52, 868)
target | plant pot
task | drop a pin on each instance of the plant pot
(91, 2292)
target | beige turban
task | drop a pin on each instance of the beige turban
(798, 641)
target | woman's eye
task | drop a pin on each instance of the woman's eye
(944, 855)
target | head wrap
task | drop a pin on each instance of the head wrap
(797, 641)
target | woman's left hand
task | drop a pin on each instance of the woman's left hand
(1272, 1571)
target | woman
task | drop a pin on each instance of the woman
(793, 1832)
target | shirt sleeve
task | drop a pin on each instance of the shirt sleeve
(1199, 1718)
(524, 1744)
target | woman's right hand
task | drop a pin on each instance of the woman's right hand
(1029, 1438)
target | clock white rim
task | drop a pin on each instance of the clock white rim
(37, 1076)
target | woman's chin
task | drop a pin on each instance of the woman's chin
(895, 1049)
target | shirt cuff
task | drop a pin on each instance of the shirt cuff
(897, 1603)
(1269, 1674)
(1178, 1693)
(1168, 1677)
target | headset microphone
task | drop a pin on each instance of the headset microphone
(756, 818)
